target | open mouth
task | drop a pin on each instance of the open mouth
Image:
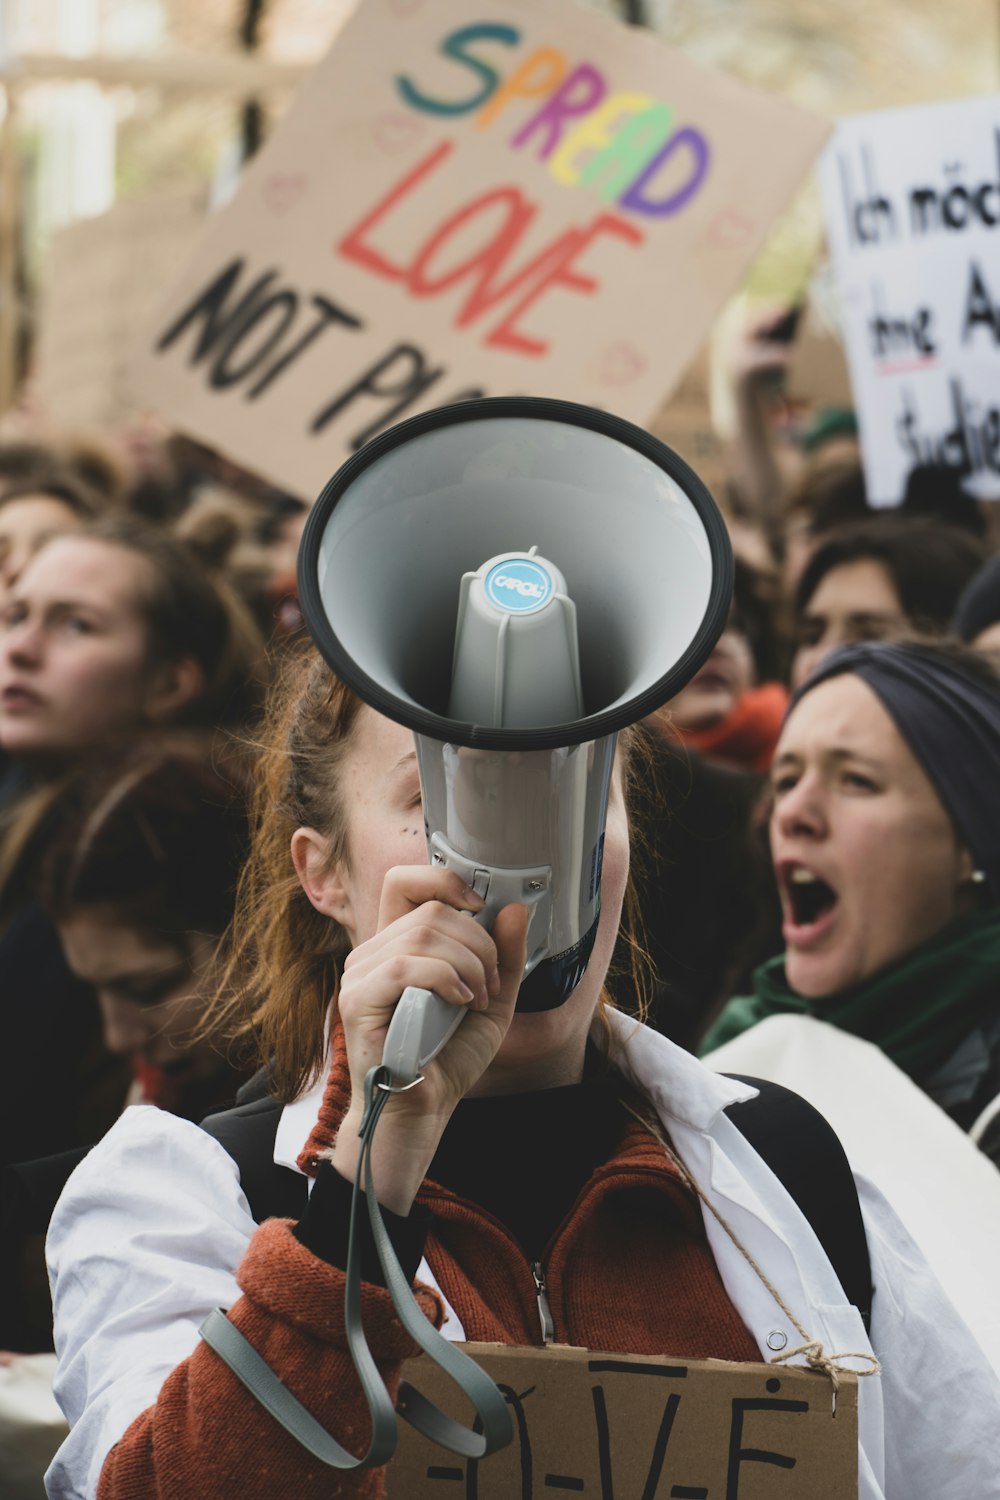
(809, 898)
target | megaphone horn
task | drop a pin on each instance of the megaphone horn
(632, 528)
(516, 668)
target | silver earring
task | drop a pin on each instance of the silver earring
(978, 877)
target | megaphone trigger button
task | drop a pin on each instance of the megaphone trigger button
(481, 883)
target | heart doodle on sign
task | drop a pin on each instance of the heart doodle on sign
(282, 191)
(622, 363)
(731, 229)
(394, 133)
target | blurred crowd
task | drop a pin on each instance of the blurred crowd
(148, 605)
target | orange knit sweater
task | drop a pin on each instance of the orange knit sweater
(629, 1270)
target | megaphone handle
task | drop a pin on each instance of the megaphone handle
(421, 1025)
(422, 1022)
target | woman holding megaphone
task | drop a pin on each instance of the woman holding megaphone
(563, 1175)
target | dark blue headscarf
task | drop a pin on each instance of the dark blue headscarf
(978, 604)
(951, 722)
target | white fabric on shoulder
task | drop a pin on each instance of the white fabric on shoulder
(944, 1189)
(156, 1203)
(941, 1396)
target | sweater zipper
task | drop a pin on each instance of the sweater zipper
(541, 1285)
(545, 1319)
(544, 1310)
(536, 1267)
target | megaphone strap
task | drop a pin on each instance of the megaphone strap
(275, 1397)
(493, 1426)
(492, 1413)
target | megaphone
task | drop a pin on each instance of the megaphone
(515, 580)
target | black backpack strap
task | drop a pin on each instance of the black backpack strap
(247, 1132)
(28, 1194)
(805, 1154)
(257, 1086)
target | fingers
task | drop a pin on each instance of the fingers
(377, 991)
(408, 886)
(433, 934)
(510, 934)
(440, 949)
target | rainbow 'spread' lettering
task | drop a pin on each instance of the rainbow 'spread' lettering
(621, 143)
(622, 146)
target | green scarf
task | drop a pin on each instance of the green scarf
(917, 1011)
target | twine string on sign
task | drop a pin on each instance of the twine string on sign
(816, 1357)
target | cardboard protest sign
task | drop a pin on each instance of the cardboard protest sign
(818, 370)
(912, 201)
(687, 427)
(685, 424)
(538, 201)
(102, 279)
(609, 1426)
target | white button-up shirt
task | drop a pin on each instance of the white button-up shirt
(146, 1237)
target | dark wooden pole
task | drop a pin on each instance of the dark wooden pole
(252, 121)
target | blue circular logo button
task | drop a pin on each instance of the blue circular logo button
(519, 585)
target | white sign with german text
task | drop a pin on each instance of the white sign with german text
(912, 199)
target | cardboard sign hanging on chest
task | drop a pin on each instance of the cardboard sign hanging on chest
(621, 1427)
